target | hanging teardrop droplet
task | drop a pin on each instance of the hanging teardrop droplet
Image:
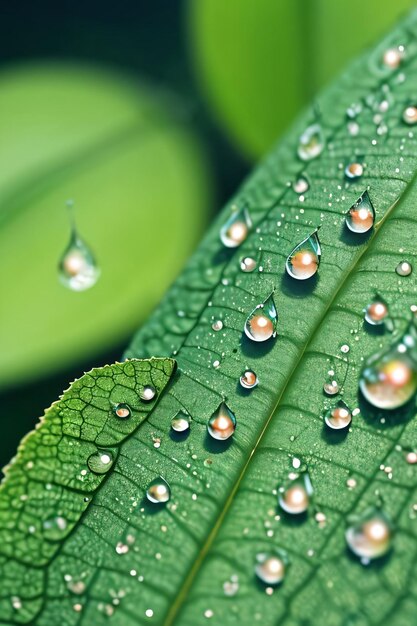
(100, 462)
(311, 143)
(370, 535)
(389, 379)
(180, 422)
(158, 491)
(249, 379)
(261, 324)
(338, 417)
(122, 411)
(303, 262)
(77, 267)
(361, 216)
(376, 312)
(295, 499)
(236, 229)
(270, 568)
(222, 424)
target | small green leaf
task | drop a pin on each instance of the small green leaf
(206, 554)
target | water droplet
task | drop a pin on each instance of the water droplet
(376, 312)
(217, 325)
(236, 229)
(148, 393)
(222, 424)
(249, 379)
(180, 422)
(404, 268)
(248, 264)
(331, 388)
(77, 267)
(158, 491)
(393, 57)
(410, 115)
(311, 143)
(122, 411)
(301, 185)
(361, 216)
(370, 535)
(354, 171)
(389, 379)
(411, 458)
(295, 499)
(338, 417)
(261, 324)
(303, 262)
(271, 568)
(345, 348)
(353, 128)
(100, 462)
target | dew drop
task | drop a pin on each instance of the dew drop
(393, 57)
(222, 424)
(338, 417)
(100, 462)
(122, 411)
(271, 568)
(301, 185)
(236, 229)
(248, 264)
(404, 268)
(158, 491)
(376, 312)
(77, 267)
(353, 171)
(410, 115)
(353, 128)
(217, 325)
(331, 388)
(148, 393)
(249, 379)
(361, 216)
(389, 379)
(311, 143)
(303, 262)
(261, 324)
(370, 535)
(180, 422)
(295, 499)
(411, 458)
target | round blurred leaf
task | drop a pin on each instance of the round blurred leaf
(141, 190)
(259, 62)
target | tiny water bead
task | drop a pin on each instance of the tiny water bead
(311, 143)
(410, 115)
(249, 379)
(100, 462)
(122, 411)
(217, 325)
(222, 424)
(304, 260)
(236, 228)
(158, 491)
(180, 422)
(295, 499)
(338, 417)
(389, 379)
(77, 267)
(148, 393)
(376, 312)
(261, 324)
(404, 268)
(248, 264)
(353, 171)
(370, 535)
(301, 185)
(271, 568)
(361, 216)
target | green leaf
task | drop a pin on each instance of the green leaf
(193, 560)
(139, 181)
(260, 62)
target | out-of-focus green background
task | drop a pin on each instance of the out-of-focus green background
(148, 114)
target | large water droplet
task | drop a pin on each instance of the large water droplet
(77, 267)
(271, 568)
(100, 462)
(311, 143)
(222, 424)
(122, 410)
(303, 262)
(361, 216)
(158, 491)
(338, 417)
(295, 499)
(404, 268)
(389, 379)
(249, 379)
(236, 229)
(261, 324)
(370, 535)
(376, 312)
(180, 422)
